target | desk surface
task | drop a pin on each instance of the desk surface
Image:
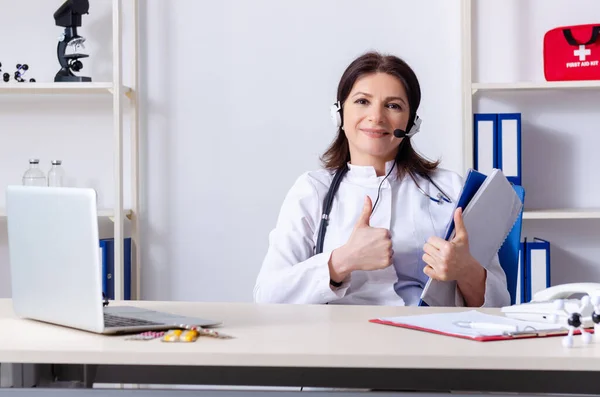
(290, 336)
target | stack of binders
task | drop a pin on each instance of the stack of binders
(497, 144)
(497, 139)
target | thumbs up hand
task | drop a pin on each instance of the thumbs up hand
(450, 260)
(365, 216)
(368, 248)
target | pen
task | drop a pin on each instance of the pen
(491, 326)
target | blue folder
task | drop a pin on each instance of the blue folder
(511, 255)
(522, 279)
(473, 182)
(108, 267)
(509, 161)
(485, 156)
(538, 272)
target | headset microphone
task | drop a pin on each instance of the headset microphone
(398, 133)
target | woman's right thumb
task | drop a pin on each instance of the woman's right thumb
(366, 213)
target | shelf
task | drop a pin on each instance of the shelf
(541, 85)
(103, 213)
(59, 88)
(565, 213)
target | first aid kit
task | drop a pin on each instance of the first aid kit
(572, 53)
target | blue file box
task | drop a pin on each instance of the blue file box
(485, 142)
(509, 146)
(522, 280)
(108, 267)
(538, 268)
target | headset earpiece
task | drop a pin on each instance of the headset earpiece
(416, 127)
(336, 114)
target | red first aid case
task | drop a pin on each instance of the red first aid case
(572, 53)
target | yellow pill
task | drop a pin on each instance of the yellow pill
(189, 336)
(172, 336)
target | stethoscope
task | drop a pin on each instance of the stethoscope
(440, 198)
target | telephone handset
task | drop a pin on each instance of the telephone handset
(565, 291)
(542, 308)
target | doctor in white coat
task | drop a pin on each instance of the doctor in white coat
(383, 236)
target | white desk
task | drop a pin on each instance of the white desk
(321, 345)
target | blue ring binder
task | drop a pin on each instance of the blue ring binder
(108, 253)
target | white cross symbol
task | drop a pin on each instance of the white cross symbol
(582, 52)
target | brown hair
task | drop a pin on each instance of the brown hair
(407, 159)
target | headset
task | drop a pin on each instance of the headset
(336, 117)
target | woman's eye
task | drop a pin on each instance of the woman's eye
(395, 106)
(361, 101)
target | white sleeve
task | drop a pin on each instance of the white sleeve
(496, 290)
(290, 272)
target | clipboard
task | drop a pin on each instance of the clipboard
(444, 324)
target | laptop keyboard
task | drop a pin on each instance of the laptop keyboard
(120, 321)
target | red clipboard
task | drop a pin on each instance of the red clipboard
(482, 338)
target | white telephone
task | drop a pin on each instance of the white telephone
(542, 308)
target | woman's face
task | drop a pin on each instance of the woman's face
(376, 106)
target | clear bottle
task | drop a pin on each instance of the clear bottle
(56, 175)
(34, 176)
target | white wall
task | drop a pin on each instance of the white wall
(238, 95)
(560, 129)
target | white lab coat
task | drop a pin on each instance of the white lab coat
(292, 273)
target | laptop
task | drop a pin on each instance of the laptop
(56, 271)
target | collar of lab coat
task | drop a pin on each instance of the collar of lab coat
(366, 174)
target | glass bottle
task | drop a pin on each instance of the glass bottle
(34, 176)
(56, 175)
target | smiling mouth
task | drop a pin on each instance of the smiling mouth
(375, 133)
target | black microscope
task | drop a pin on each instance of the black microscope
(69, 16)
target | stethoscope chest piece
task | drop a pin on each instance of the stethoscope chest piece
(440, 199)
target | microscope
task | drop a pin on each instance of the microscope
(69, 16)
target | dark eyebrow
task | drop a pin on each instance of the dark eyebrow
(390, 98)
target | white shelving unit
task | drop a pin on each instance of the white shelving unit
(471, 88)
(543, 85)
(61, 88)
(565, 213)
(102, 212)
(119, 94)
